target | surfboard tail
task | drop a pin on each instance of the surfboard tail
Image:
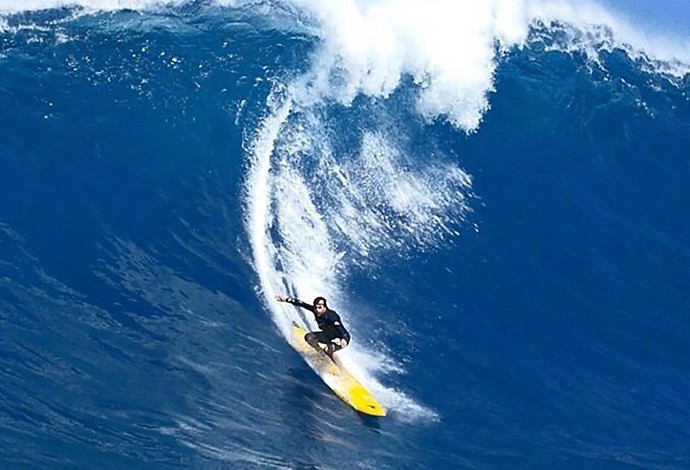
(336, 376)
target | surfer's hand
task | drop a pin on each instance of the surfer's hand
(281, 298)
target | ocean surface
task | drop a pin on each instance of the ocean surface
(496, 199)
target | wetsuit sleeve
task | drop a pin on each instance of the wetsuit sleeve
(338, 325)
(299, 303)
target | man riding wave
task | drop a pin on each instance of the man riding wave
(332, 335)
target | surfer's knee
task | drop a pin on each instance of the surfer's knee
(310, 338)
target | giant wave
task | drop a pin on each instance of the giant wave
(465, 183)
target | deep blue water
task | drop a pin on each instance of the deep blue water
(539, 321)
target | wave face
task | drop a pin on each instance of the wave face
(493, 197)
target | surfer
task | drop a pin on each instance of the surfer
(333, 334)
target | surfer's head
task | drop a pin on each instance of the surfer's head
(320, 305)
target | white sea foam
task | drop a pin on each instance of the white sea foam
(449, 47)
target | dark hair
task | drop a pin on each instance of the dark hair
(318, 299)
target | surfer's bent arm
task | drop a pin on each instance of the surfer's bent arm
(340, 330)
(295, 301)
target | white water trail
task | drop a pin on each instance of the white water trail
(258, 217)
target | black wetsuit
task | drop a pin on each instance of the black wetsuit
(330, 324)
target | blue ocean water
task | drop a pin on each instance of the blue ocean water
(511, 255)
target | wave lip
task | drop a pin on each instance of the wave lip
(448, 48)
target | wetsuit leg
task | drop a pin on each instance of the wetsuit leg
(314, 337)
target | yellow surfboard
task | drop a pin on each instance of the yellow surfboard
(336, 376)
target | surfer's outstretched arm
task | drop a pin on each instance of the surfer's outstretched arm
(295, 301)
